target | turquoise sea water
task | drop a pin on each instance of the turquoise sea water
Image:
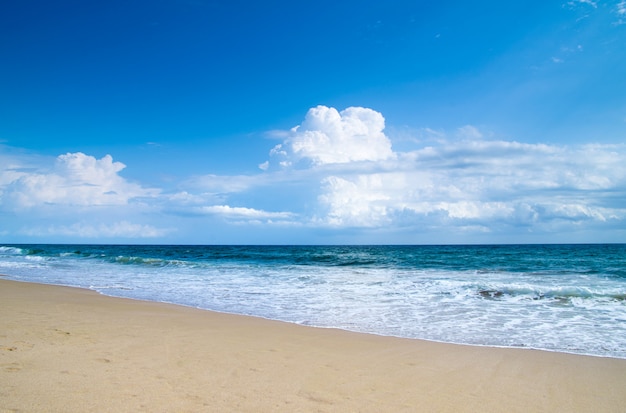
(569, 298)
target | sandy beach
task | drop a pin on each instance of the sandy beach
(73, 350)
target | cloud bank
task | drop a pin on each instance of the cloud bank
(464, 183)
(337, 172)
(484, 185)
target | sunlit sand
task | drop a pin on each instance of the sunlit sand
(72, 350)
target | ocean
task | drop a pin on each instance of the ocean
(566, 298)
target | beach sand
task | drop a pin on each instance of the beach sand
(73, 350)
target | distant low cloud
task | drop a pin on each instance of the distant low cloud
(80, 196)
(121, 229)
(76, 179)
(337, 173)
(468, 182)
(491, 185)
(242, 212)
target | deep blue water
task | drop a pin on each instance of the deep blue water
(569, 298)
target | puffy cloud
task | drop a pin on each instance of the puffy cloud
(364, 201)
(76, 179)
(328, 136)
(80, 196)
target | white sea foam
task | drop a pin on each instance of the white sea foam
(554, 311)
(10, 250)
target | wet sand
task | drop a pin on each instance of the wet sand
(72, 350)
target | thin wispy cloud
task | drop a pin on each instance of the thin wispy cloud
(620, 10)
(85, 230)
(244, 213)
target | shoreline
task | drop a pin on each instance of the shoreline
(73, 349)
(315, 326)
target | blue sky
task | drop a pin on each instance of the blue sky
(280, 122)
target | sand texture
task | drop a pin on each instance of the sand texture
(72, 350)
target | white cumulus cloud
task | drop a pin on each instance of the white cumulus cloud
(328, 136)
(76, 179)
